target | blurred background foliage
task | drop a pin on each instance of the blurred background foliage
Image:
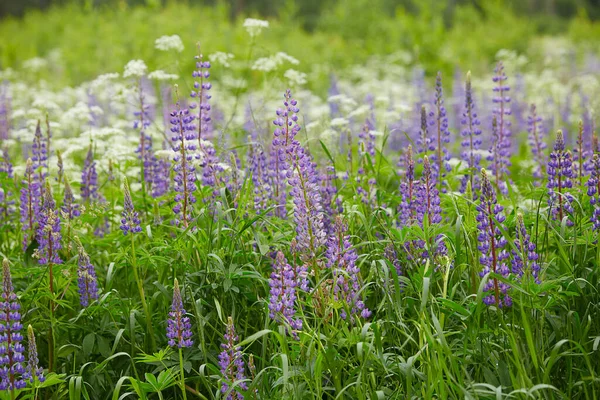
(96, 36)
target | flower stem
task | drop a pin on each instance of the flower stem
(142, 295)
(181, 374)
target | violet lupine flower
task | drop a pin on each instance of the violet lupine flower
(407, 191)
(89, 179)
(6, 204)
(440, 120)
(130, 221)
(183, 129)
(141, 123)
(471, 140)
(48, 231)
(5, 163)
(593, 191)
(160, 176)
(39, 152)
(29, 202)
(179, 328)
(332, 204)
(232, 363)
(424, 142)
(390, 254)
(535, 127)
(525, 259)
(580, 155)
(257, 167)
(501, 147)
(491, 243)
(33, 369)
(560, 174)
(69, 207)
(86, 278)
(366, 152)
(211, 166)
(283, 140)
(282, 304)
(60, 168)
(201, 92)
(341, 259)
(308, 210)
(11, 349)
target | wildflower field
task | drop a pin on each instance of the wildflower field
(237, 219)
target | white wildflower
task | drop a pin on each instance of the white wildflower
(166, 43)
(161, 75)
(339, 122)
(222, 58)
(135, 68)
(265, 64)
(254, 27)
(282, 57)
(35, 64)
(295, 77)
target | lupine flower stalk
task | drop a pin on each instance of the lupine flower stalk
(141, 123)
(331, 202)
(537, 143)
(471, 142)
(491, 243)
(59, 163)
(257, 167)
(89, 179)
(366, 149)
(48, 231)
(347, 285)
(33, 369)
(12, 370)
(6, 204)
(130, 221)
(86, 278)
(580, 155)
(407, 190)
(179, 327)
(184, 134)
(424, 142)
(232, 363)
(500, 156)
(593, 191)
(202, 93)
(440, 156)
(282, 295)
(39, 152)
(560, 174)
(69, 207)
(29, 202)
(525, 259)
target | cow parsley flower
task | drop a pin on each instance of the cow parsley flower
(254, 27)
(167, 43)
(135, 68)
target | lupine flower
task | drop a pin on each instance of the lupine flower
(11, 349)
(179, 328)
(593, 191)
(525, 259)
(424, 142)
(537, 143)
(4, 113)
(48, 231)
(6, 204)
(201, 92)
(39, 152)
(407, 190)
(160, 177)
(491, 243)
(366, 151)
(341, 259)
(257, 167)
(471, 139)
(283, 284)
(141, 123)
(33, 368)
(440, 120)
(594, 149)
(560, 173)
(59, 164)
(184, 134)
(86, 278)
(89, 179)
(390, 254)
(501, 152)
(580, 155)
(332, 204)
(130, 221)
(29, 202)
(5, 163)
(69, 207)
(212, 168)
(232, 363)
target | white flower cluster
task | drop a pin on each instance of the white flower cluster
(268, 64)
(221, 58)
(35, 64)
(167, 43)
(254, 27)
(135, 68)
(294, 77)
(161, 75)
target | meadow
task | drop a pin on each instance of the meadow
(241, 209)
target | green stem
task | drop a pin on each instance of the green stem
(142, 295)
(181, 374)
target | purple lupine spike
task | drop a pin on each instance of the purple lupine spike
(39, 152)
(11, 349)
(282, 294)
(5, 124)
(560, 174)
(48, 231)
(308, 210)
(579, 155)
(347, 284)
(141, 123)
(390, 254)
(202, 93)
(593, 149)
(471, 143)
(424, 142)
(33, 369)
(334, 108)
(332, 205)
(130, 221)
(160, 177)
(5, 163)
(179, 327)
(407, 191)
(593, 191)
(365, 177)
(232, 363)
(48, 140)
(525, 259)
(69, 208)
(501, 147)
(491, 243)
(60, 167)
(535, 128)
(6, 203)
(89, 179)
(29, 202)
(439, 120)
(184, 135)
(87, 281)
(258, 170)
(212, 168)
